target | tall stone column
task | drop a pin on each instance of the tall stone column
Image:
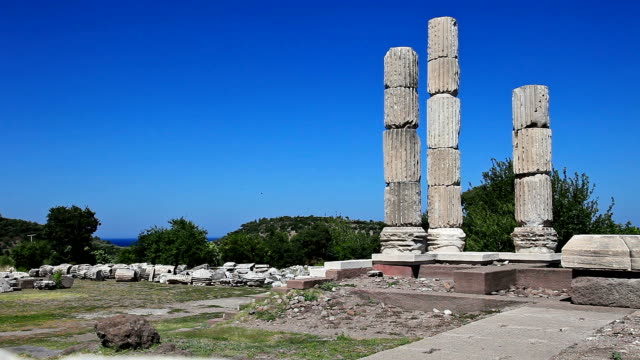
(401, 144)
(532, 167)
(443, 130)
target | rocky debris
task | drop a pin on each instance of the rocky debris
(203, 266)
(521, 291)
(375, 273)
(63, 269)
(45, 285)
(45, 270)
(4, 286)
(126, 331)
(125, 275)
(202, 277)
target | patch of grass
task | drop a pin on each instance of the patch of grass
(309, 296)
(199, 320)
(616, 356)
(392, 283)
(230, 341)
(328, 286)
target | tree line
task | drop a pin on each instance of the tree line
(488, 208)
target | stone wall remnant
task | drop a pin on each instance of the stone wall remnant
(532, 167)
(443, 154)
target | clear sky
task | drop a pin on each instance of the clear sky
(229, 111)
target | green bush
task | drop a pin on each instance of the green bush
(29, 255)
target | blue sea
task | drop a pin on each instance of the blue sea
(129, 241)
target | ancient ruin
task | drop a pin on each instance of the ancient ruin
(402, 165)
(532, 167)
(443, 154)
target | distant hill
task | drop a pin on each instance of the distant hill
(14, 231)
(295, 224)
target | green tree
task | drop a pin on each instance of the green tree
(489, 210)
(29, 255)
(314, 243)
(349, 243)
(69, 231)
(241, 247)
(183, 243)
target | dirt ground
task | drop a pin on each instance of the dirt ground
(619, 340)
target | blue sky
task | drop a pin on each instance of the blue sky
(225, 112)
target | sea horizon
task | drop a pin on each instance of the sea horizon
(125, 242)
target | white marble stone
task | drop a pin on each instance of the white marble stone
(467, 257)
(532, 151)
(535, 239)
(401, 109)
(529, 257)
(398, 240)
(402, 204)
(404, 258)
(443, 121)
(401, 68)
(530, 106)
(602, 252)
(443, 167)
(317, 271)
(443, 76)
(443, 38)
(401, 149)
(534, 200)
(445, 207)
(348, 264)
(445, 240)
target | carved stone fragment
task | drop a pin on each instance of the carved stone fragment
(443, 167)
(401, 155)
(401, 68)
(443, 121)
(402, 204)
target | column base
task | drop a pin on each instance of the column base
(402, 240)
(535, 239)
(445, 240)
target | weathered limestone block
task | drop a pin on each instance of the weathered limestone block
(44, 285)
(4, 286)
(401, 109)
(401, 155)
(602, 252)
(125, 275)
(534, 200)
(445, 209)
(535, 239)
(176, 279)
(443, 121)
(202, 277)
(602, 291)
(63, 269)
(443, 76)
(45, 270)
(66, 281)
(401, 68)
(402, 204)
(95, 274)
(443, 38)
(530, 106)
(532, 151)
(402, 240)
(443, 167)
(445, 240)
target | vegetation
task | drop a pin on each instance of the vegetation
(14, 231)
(489, 209)
(286, 241)
(183, 243)
(69, 231)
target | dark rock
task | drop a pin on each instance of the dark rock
(66, 281)
(126, 332)
(603, 291)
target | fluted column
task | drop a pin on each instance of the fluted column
(402, 165)
(532, 167)
(443, 130)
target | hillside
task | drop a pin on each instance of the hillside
(295, 224)
(14, 231)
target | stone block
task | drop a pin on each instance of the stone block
(341, 274)
(534, 200)
(443, 167)
(535, 239)
(401, 109)
(530, 105)
(602, 252)
(542, 277)
(400, 240)
(401, 68)
(483, 279)
(26, 283)
(305, 283)
(348, 264)
(438, 271)
(443, 121)
(125, 275)
(445, 207)
(404, 271)
(402, 204)
(403, 259)
(443, 76)
(532, 151)
(606, 292)
(317, 271)
(445, 240)
(401, 155)
(443, 38)
(547, 258)
(467, 257)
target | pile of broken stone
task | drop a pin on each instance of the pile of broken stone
(230, 274)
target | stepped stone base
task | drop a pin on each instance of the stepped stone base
(402, 240)
(445, 240)
(537, 240)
